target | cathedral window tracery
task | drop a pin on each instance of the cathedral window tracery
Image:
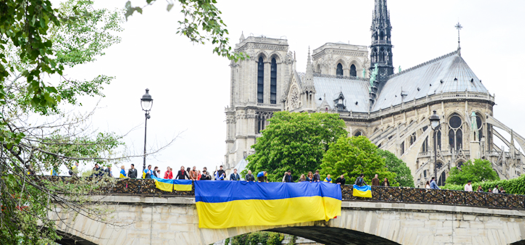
(455, 133)
(273, 82)
(339, 71)
(260, 81)
(353, 71)
(479, 123)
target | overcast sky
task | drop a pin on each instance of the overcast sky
(190, 84)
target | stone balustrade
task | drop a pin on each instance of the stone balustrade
(146, 187)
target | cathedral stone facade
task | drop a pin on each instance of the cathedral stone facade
(391, 109)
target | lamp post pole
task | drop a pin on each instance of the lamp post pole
(145, 137)
(146, 102)
(434, 124)
(435, 155)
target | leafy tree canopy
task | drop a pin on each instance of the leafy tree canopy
(397, 166)
(296, 142)
(37, 43)
(479, 171)
(353, 156)
(201, 23)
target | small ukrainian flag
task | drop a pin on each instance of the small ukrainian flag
(122, 173)
(171, 184)
(362, 191)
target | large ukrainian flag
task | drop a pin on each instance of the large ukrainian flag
(172, 184)
(225, 204)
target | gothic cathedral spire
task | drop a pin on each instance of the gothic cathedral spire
(381, 48)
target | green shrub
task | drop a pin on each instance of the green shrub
(512, 186)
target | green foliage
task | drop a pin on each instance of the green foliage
(397, 166)
(38, 42)
(352, 156)
(262, 237)
(512, 186)
(292, 240)
(201, 23)
(227, 241)
(480, 171)
(294, 141)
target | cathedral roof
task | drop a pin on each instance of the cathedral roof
(449, 73)
(353, 89)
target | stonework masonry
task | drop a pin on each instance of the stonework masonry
(174, 220)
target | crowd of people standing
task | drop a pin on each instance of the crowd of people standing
(220, 174)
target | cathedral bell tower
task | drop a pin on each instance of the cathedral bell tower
(381, 48)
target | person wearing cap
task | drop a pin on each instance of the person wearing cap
(468, 186)
(262, 177)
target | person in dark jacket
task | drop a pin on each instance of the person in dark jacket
(108, 172)
(360, 181)
(97, 171)
(235, 176)
(249, 177)
(205, 175)
(156, 172)
(132, 172)
(341, 180)
(310, 176)
(385, 183)
(182, 174)
(219, 173)
(288, 177)
(375, 181)
(317, 177)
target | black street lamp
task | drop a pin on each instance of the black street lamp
(434, 124)
(146, 102)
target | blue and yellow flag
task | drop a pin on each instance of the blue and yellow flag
(122, 173)
(172, 184)
(225, 204)
(362, 191)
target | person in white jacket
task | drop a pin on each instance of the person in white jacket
(468, 186)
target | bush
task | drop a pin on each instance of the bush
(479, 171)
(512, 186)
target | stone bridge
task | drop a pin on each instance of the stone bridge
(392, 216)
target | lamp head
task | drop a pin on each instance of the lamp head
(146, 101)
(434, 121)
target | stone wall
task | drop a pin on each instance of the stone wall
(173, 220)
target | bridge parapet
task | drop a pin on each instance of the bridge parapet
(146, 187)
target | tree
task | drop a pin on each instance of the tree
(201, 23)
(480, 171)
(397, 166)
(37, 43)
(296, 142)
(353, 156)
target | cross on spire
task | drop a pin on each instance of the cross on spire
(459, 27)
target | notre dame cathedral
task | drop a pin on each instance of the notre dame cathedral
(391, 109)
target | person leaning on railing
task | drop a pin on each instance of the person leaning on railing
(249, 177)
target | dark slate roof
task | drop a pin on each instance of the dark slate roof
(354, 90)
(449, 73)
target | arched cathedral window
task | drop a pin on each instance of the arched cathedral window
(413, 138)
(455, 133)
(442, 179)
(339, 71)
(358, 133)
(353, 71)
(260, 81)
(479, 123)
(273, 83)
(424, 147)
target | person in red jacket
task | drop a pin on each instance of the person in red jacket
(168, 174)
